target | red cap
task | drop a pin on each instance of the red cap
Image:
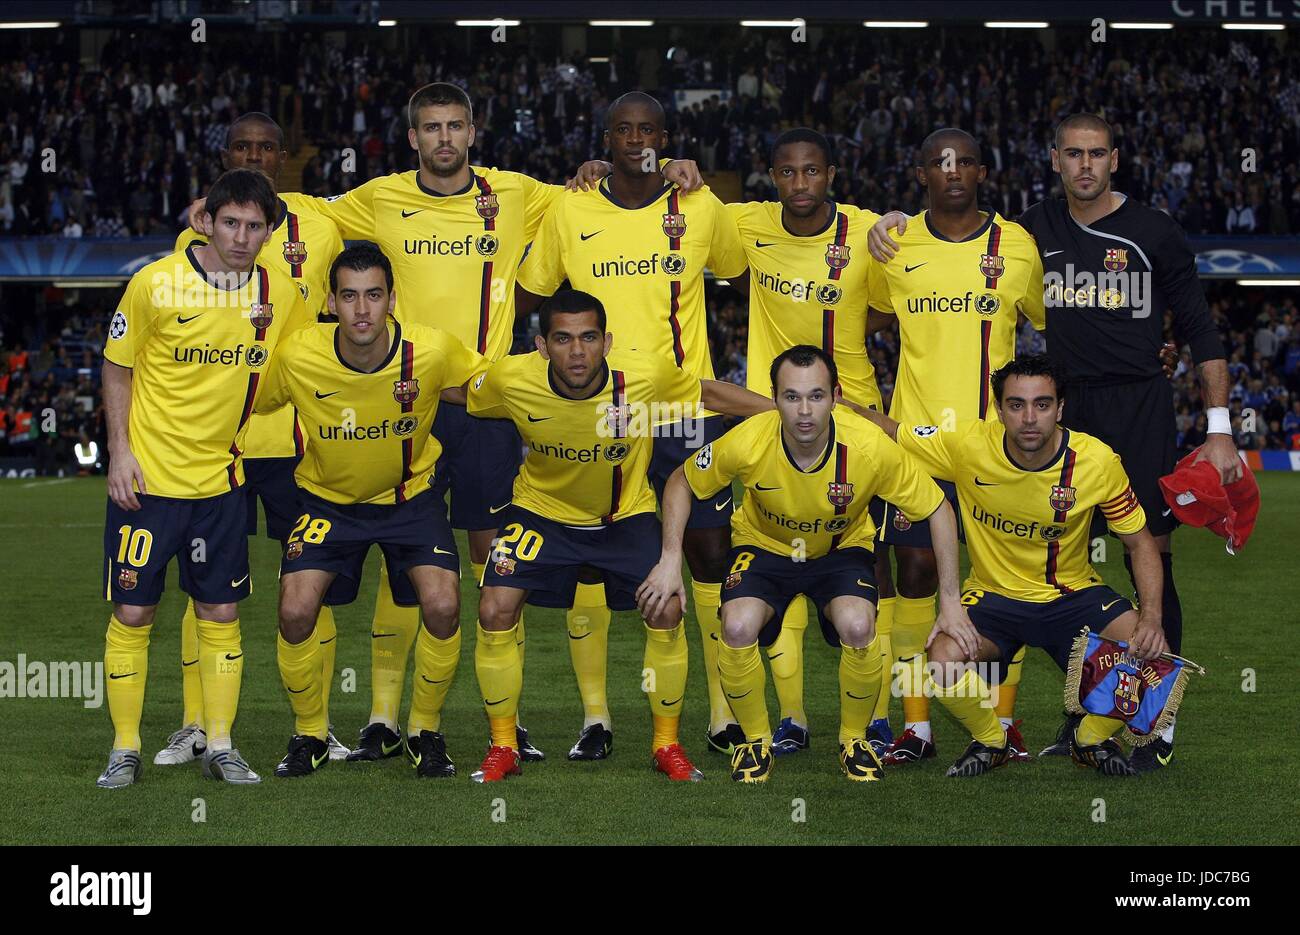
(1198, 497)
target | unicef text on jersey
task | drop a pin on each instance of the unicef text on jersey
(1111, 289)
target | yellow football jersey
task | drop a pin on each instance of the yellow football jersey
(302, 244)
(368, 434)
(1027, 531)
(956, 304)
(823, 508)
(198, 354)
(587, 459)
(645, 264)
(808, 290)
(454, 257)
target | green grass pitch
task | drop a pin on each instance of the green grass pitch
(1234, 780)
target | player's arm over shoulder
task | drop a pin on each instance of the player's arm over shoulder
(486, 393)
(715, 465)
(904, 479)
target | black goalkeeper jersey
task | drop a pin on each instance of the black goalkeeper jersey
(1107, 286)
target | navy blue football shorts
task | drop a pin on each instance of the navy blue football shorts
(480, 458)
(895, 528)
(271, 481)
(675, 444)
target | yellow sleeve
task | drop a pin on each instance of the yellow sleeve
(486, 395)
(352, 212)
(673, 384)
(1031, 303)
(273, 389)
(185, 238)
(904, 482)
(932, 447)
(543, 268)
(132, 325)
(716, 464)
(299, 315)
(726, 253)
(538, 198)
(462, 363)
(878, 286)
(1123, 513)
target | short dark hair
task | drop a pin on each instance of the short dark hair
(243, 187)
(359, 258)
(1029, 365)
(570, 302)
(438, 94)
(934, 142)
(1083, 122)
(804, 355)
(801, 135)
(637, 97)
(254, 116)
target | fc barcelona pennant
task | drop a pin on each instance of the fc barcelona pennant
(1105, 679)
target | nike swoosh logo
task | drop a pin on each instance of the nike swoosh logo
(235, 584)
(761, 487)
(298, 692)
(908, 269)
(1110, 605)
(192, 662)
(984, 483)
(433, 681)
(316, 761)
(1167, 512)
(542, 419)
(497, 509)
(719, 507)
(328, 641)
(497, 702)
(1052, 253)
(589, 236)
(233, 658)
(320, 395)
(774, 657)
(669, 704)
(186, 321)
(583, 637)
(713, 636)
(380, 636)
(389, 748)
(736, 697)
(858, 697)
(864, 584)
(438, 551)
(410, 214)
(125, 676)
(757, 244)
(1164, 760)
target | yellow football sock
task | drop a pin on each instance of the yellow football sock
(303, 678)
(327, 637)
(665, 673)
(1094, 729)
(126, 658)
(786, 659)
(191, 682)
(588, 625)
(221, 663)
(913, 621)
(884, 636)
(745, 683)
(1006, 703)
(967, 700)
(708, 599)
(435, 667)
(859, 685)
(500, 679)
(391, 636)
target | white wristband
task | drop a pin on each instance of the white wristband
(1218, 421)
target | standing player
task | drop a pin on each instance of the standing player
(1032, 488)
(1113, 269)
(303, 245)
(804, 527)
(640, 245)
(582, 500)
(185, 353)
(808, 286)
(367, 391)
(967, 276)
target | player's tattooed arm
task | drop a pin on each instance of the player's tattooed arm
(665, 579)
(952, 618)
(732, 400)
(1148, 639)
(879, 243)
(1220, 448)
(124, 473)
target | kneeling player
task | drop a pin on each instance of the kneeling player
(804, 528)
(582, 500)
(367, 391)
(1029, 487)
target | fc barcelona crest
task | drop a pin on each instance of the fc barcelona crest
(1127, 701)
(732, 581)
(837, 255)
(901, 522)
(293, 551)
(259, 313)
(840, 495)
(486, 206)
(405, 391)
(295, 252)
(674, 225)
(992, 265)
(505, 565)
(1116, 260)
(127, 579)
(1062, 498)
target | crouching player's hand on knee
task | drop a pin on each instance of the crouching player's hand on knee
(955, 622)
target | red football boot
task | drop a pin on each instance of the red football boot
(673, 763)
(1016, 744)
(499, 763)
